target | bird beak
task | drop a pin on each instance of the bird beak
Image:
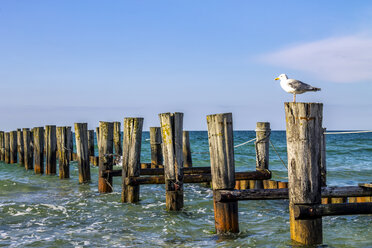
(276, 78)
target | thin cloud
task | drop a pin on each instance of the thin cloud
(342, 60)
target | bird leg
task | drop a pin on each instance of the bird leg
(294, 97)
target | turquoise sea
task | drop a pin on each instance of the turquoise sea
(44, 211)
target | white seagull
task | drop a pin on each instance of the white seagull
(294, 86)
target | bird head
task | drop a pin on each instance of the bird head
(282, 77)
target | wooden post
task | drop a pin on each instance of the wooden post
(70, 143)
(20, 147)
(97, 137)
(50, 150)
(186, 149)
(63, 152)
(117, 138)
(262, 148)
(155, 143)
(90, 143)
(106, 132)
(38, 133)
(304, 134)
(171, 129)
(13, 147)
(323, 165)
(221, 149)
(7, 147)
(81, 141)
(28, 152)
(2, 147)
(131, 157)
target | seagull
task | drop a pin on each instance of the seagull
(294, 86)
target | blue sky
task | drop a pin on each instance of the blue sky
(85, 61)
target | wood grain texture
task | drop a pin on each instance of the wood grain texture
(2, 149)
(117, 138)
(132, 137)
(63, 153)
(262, 148)
(304, 133)
(91, 143)
(105, 150)
(81, 141)
(38, 133)
(70, 144)
(50, 150)
(20, 147)
(186, 149)
(28, 152)
(156, 147)
(323, 162)
(7, 147)
(13, 147)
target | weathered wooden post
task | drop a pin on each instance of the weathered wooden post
(63, 153)
(304, 134)
(117, 138)
(131, 158)
(70, 143)
(2, 147)
(81, 141)
(186, 149)
(91, 143)
(171, 129)
(38, 133)
(7, 147)
(97, 137)
(28, 152)
(50, 150)
(105, 149)
(155, 143)
(13, 147)
(20, 146)
(262, 148)
(221, 149)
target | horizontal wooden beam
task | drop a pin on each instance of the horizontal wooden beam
(305, 212)
(277, 194)
(200, 178)
(160, 171)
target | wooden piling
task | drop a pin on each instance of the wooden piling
(221, 149)
(81, 141)
(38, 133)
(323, 164)
(63, 153)
(97, 136)
(2, 147)
(117, 138)
(105, 149)
(7, 147)
(262, 148)
(28, 153)
(70, 144)
(13, 147)
(304, 132)
(171, 130)
(90, 143)
(155, 143)
(131, 158)
(186, 149)
(20, 147)
(50, 150)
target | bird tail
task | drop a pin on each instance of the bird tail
(316, 89)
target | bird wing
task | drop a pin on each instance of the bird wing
(298, 85)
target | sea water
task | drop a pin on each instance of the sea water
(44, 211)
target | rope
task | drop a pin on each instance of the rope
(245, 143)
(278, 154)
(368, 131)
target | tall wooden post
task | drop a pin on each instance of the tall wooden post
(262, 148)
(105, 149)
(2, 147)
(63, 153)
(304, 134)
(155, 143)
(7, 147)
(91, 143)
(70, 143)
(117, 138)
(221, 149)
(28, 152)
(97, 137)
(323, 164)
(20, 146)
(13, 147)
(131, 157)
(171, 129)
(38, 133)
(81, 141)
(186, 149)
(50, 150)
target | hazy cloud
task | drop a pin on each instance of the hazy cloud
(344, 59)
